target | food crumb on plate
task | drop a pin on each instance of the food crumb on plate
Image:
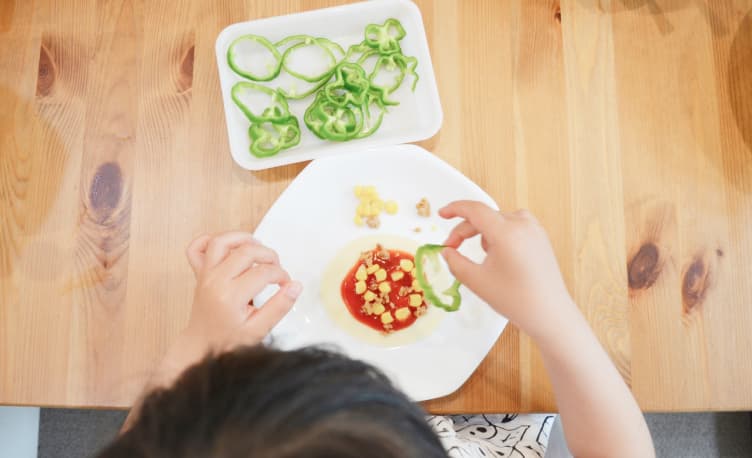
(423, 207)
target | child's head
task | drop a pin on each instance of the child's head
(257, 402)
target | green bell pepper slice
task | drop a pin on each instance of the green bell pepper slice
(385, 37)
(406, 66)
(319, 42)
(350, 85)
(369, 126)
(269, 138)
(431, 252)
(331, 121)
(236, 64)
(278, 111)
(335, 48)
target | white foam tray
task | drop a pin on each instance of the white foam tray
(418, 116)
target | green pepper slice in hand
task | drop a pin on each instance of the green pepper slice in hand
(385, 37)
(236, 58)
(269, 138)
(431, 253)
(243, 92)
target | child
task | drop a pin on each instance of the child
(245, 400)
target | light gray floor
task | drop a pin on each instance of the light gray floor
(81, 433)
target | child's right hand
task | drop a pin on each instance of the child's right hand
(519, 277)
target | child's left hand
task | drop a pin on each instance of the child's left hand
(230, 269)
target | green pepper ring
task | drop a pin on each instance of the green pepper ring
(256, 133)
(263, 42)
(432, 252)
(285, 109)
(310, 79)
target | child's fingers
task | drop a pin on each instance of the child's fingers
(263, 320)
(244, 257)
(480, 215)
(255, 279)
(195, 252)
(220, 246)
(460, 233)
(463, 269)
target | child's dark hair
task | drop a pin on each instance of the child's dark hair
(259, 402)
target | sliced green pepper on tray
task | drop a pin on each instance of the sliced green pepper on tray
(431, 253)
(235, 63)
(306, 41)
(329, 120)
(386, 37)
(269, 138)
(346, 94)
(277, 111)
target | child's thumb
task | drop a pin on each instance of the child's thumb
(264, 319)
(463, 269)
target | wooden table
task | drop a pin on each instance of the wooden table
(625, 125)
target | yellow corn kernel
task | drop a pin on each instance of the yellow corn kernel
(360, 287)
(416, 286)
(372, 268)
(380, 275)
(369, 296)
(384, 287)
(377, 205)
(397, 275)
(358, 220)
(406, 265)
(402, 313)
(361, 274)
(390, 207)
(378, 308)
(369, 191)
(415, 300)
(386, 318)
(361, 210)
(368, 308)
(358, 190)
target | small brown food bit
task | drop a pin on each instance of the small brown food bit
(403, 291)
(373, 221)
(383, 254)
(417, 229)
(423, 207)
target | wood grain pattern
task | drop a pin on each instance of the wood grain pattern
(624, 125)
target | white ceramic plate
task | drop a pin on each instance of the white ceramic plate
(313, 219)
(418, 116)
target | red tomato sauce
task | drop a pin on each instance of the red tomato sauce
(397, 298)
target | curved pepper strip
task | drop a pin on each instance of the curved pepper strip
(235, 66)
(317, 86)
(405, 64)
(372, 127)
(308, 39)
(269, 138)
(359, 53)
(279, 110)
(431, 252)
(385, 37)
